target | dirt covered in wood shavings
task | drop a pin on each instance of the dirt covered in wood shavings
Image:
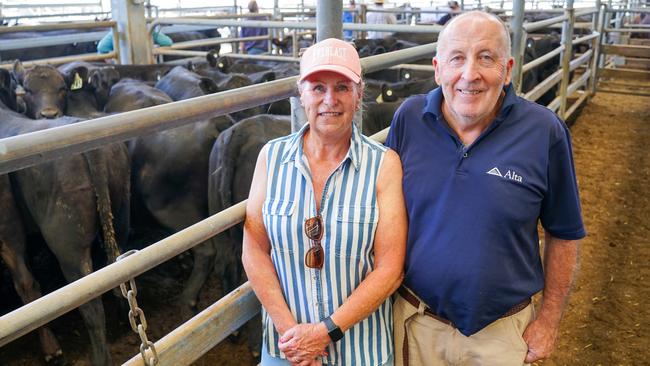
(607, 318)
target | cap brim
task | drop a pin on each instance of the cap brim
(333, 68)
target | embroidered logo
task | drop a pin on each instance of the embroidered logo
(510, 174)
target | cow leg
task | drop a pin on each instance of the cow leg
(12, 251)
(70, 238)
(203, 255)
(28, 290)
(75, 266)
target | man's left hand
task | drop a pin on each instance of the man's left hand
(540, 335)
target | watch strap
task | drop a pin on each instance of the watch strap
(333, 330)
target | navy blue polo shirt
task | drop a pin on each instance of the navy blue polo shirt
(472, 250)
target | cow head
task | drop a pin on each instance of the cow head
(208, 86)
(8, 92)
(45, 90)
(102, 80)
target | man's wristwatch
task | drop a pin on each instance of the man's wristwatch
(333, 330)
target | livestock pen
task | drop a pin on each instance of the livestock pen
(220, 319)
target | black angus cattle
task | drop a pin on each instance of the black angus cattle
(232, 162)
(130, 94)
(377, 116)
(187, 36)
(371, 47)
(69, 200)
(226, 81)
(89, 87)
(44, 90)
(535, 48)
(286, 44)
(171, 173)
(391, 92)
(150, 74)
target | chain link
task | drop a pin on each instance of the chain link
(135, 313)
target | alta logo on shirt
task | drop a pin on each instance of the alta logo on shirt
(509, 175)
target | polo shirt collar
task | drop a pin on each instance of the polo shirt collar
(294, 147)
(433, 103)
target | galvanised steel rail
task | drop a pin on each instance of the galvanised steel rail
(56, 26)
(296, 25)
(28, 149)
(41, 41)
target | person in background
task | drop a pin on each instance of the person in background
(259, 46)
(105, 45)
(482, 167)
(454, 9)
(373, 17)
(325, 229)
(348, 17)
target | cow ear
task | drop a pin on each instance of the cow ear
(19, 71)
(94, 79)
(208, 86)
(77, 78)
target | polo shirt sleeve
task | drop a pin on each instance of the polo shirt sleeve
(561, 213)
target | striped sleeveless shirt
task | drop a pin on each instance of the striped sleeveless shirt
(350, 214)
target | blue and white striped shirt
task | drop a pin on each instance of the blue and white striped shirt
(350, 215)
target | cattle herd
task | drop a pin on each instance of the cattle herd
(178, 176)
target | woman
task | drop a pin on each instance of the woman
(325, 230)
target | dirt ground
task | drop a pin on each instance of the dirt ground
(607, 318)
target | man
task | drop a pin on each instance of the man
(481, 167)
(454, 9)
(373, 17)
(259, 46)
(348, 17)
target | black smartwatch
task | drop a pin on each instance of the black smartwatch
(333, 330)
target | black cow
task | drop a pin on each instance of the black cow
(69, 200)
(377, 116)
(232, 162)
(131, 94)
(89, 87)
(535, 48)
(44, 90)
(150, 74)
(391, 92)
(227, 81)
(170, 168)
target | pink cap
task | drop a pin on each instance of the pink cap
(331, 55)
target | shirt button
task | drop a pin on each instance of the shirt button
(465, 155)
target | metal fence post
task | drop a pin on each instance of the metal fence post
(567, 38)
(516, 27)
(595, 45)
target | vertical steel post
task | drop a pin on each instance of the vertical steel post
(134, 41)
(518, 41)
(567, 38)
(595, 45)
(329, 23)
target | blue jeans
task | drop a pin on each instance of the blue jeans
(268, 360)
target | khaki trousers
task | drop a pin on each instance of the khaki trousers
(431, 342)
